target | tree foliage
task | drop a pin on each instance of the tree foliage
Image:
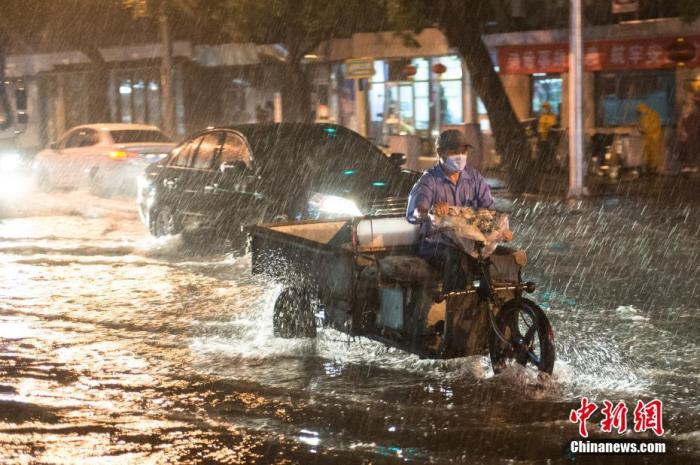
(300, 26)
(38, 26)
(689, 10)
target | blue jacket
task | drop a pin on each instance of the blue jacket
(433, 187)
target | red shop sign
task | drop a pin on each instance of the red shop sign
(599, 55)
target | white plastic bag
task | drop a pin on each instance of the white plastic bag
(466, 226)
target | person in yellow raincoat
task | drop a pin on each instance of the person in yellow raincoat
(546, 121)
(650, 127)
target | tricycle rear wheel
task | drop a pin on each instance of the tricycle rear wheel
(529, 335)
(293, 315)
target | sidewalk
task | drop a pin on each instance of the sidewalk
(677, 189)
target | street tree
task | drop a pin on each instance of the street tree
(462, 23)
(300, 26)
(161, 10)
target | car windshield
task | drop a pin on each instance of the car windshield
(130, 136)
(331, 149)
(322, 158)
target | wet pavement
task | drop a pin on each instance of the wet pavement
(119, 348)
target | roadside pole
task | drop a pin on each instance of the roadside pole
(438, 107)
(277, 105)
(576, 189)
(360, 95)
(438, 69)
(360, 70)
(169, 124)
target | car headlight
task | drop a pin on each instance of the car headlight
(144, 182)
(13, 186)
(9, 161)
(144, 188)
(331, 205)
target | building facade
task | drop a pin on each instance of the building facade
(414, 91)
(212, 85)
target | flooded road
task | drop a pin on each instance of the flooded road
(119, 348)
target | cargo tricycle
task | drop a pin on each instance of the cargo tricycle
(363, 276)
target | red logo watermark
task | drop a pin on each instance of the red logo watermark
(647, 416)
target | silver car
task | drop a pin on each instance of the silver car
(106, 158)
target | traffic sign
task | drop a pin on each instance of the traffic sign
(359, 68)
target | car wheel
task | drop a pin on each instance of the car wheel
(43, 181)
(98, 187)
(164, 222)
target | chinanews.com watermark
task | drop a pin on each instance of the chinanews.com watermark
(646, 416)
(611, 447)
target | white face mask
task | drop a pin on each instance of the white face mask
(456, 162)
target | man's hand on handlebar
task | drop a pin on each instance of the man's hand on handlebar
(421, 214)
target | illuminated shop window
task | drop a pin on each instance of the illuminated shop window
(139, 98)
(546, 88)
(403, 104)
(618, 94)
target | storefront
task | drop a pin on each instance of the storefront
(410, 97)
(618, 76)
(120, 93)
(212, 85)
(407, 96)
(404, 96)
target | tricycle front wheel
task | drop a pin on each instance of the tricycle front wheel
(293, 314)
(528, 334)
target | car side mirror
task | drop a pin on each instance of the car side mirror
(399, 159)
(236, 168)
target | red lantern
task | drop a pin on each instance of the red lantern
(439, 68)
(680, 51)
(409, 71)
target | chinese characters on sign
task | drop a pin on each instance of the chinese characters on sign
(599, 55)
(647, 417)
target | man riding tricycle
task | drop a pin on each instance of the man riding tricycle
(437, 285)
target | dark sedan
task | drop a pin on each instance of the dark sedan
(223, 178)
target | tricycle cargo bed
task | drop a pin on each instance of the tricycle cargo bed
(303, 253)
(316, 251)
